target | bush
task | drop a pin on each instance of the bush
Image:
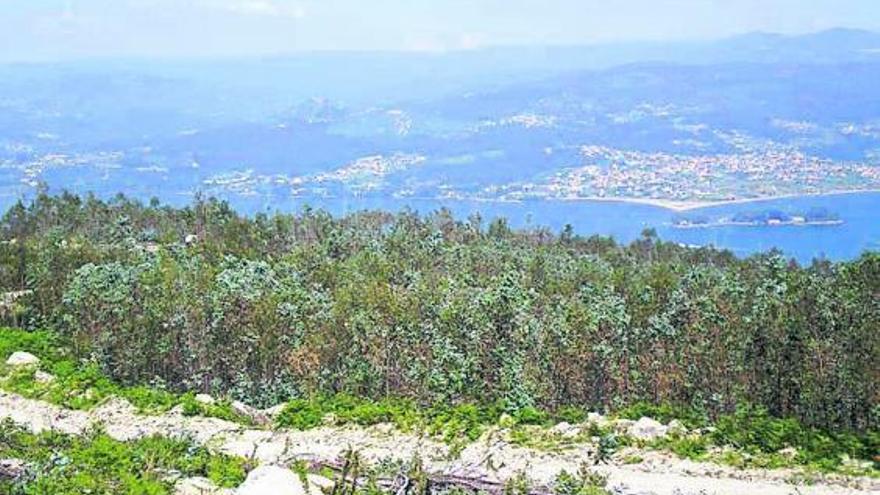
(570, 414)
(95, 463)
(83, 385)
(753, 430)
(583, 483)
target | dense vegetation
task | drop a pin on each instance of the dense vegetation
(81, 384)
(437, 310)
(95, 463)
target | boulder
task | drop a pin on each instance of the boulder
(43, 377)
(566, 430)
(19, 358)
(195, 486)
(12, 469)
(271, 480)
(622, 425)
(204, 399)
(319, 484)
(274, 411)
(199, 486)
(676, 427)
(647, 429)
(255, 415)
(596, 419)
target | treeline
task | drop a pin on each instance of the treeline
(437, 309)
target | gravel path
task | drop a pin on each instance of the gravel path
(490, 457)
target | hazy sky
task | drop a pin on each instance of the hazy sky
(64, 29)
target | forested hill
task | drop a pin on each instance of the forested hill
(441, 310)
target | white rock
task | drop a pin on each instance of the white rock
(204, 399)
(197, 486)
(623, 425)
(788, 452)
(271, 480)
(596, 418)
(256, 415)
(12, 469)
(647, 429)
(43, 377)
(274, 411)
(319, 484)
(676, 427)
(19, 358)
(566, 430)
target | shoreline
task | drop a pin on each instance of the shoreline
(685, 205)
(820, 223)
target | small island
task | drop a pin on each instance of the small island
(763, 218)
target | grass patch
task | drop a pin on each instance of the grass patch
(96, 463)
(585, 482)
(447, 422)
(763, 438)
(83, 385)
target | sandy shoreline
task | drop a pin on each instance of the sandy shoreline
(674, 205)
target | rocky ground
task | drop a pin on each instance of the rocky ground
(492, 457)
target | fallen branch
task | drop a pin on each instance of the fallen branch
(402, 484)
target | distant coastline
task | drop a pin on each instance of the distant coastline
(817, 223)
(680, 206)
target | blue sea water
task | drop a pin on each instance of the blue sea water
(859, 232)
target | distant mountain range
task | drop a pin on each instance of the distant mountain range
(756, 115)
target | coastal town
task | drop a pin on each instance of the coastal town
(608, 173)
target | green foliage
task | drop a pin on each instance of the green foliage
(530, 416)
(585, 482)
(95, 463)
(687, 446)
(39, 343)
(571, 414)
(301, 414)
(451, 423)
(83, 385)
(221, 409)
(464, 420)
(754, 431)
(395, 308)
(518, 484)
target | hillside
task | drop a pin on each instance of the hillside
(458, 332)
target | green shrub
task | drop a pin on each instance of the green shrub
(585, 482)
(570, 414)
(45, 345)
(95, 463)
(301, 414)
(686, 446)
(753, 430)
(83, 385)
(530, 416)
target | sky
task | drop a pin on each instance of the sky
(36, 30)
